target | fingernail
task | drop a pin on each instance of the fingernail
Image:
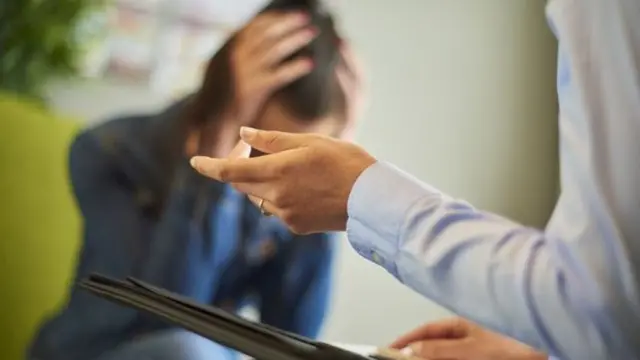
(309, 63)
(194, 163)
(312, 32)
(247, 133)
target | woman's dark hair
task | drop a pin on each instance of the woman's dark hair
(310, 97)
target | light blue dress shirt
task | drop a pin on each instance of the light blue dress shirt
(572, 288)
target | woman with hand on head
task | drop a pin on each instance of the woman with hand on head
(147, 214)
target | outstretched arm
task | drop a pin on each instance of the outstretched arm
(570, 289)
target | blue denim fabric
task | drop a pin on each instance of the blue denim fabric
(172, 344)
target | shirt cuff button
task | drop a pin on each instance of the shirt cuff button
(376, 258)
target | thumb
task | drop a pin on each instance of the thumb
(450, 328)
(272, 141)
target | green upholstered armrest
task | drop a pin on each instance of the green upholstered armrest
(39, 223)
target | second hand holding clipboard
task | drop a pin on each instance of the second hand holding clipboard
(260, 341)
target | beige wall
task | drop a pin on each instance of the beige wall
(463, 96)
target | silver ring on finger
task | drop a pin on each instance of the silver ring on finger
(262, 210)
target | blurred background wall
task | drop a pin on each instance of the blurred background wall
(461, 95)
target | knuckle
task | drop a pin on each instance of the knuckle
(283, 170)
(270, 141)
(280, 199)
(223, 174)
(273, 171)
(290, 170)
(289, 218)
(315, 155)
(313, 148)
(273, 30)
(296, 222)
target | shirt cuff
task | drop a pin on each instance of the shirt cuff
(377, 208)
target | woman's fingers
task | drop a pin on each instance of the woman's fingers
(288, 72)
(265, 206)
(264, 44)
(273, 53)
(269, 27)
(287, 23)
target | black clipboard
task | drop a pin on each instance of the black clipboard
(259, 341)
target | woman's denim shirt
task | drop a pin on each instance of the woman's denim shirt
(228, 255)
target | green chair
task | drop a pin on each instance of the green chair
(39, 221)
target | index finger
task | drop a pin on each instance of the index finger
(274, 24)
(236, 170)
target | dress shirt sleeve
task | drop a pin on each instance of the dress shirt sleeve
(569, 289)
(483, 267)
(479, 265)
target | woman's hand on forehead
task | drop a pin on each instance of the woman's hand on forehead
(257, 59)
